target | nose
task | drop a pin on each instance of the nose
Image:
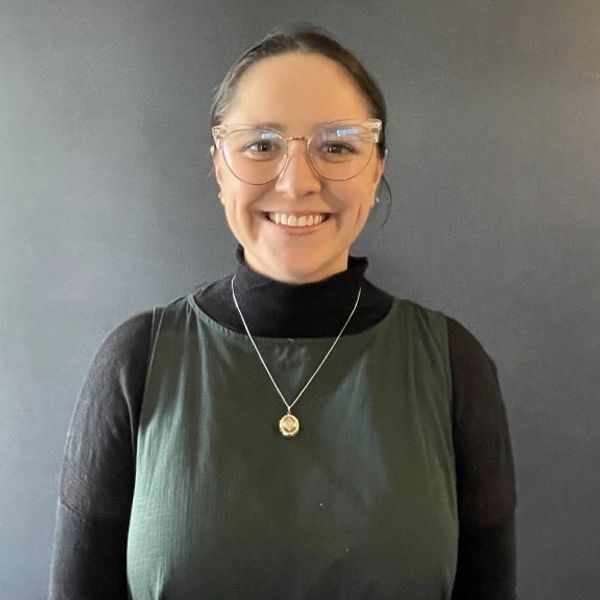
(298, 177)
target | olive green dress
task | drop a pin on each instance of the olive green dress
(360, 504)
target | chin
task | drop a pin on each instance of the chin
(303, 272)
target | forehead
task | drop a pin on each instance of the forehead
(297, 90)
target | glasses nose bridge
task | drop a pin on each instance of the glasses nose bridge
(306, 142)
(307, 154)
(293, 138)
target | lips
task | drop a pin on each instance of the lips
(296, 220)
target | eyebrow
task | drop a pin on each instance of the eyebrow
(269, 125)
(281, 127)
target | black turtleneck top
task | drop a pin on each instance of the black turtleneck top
(98, 471)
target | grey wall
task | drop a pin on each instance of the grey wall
(106, 209)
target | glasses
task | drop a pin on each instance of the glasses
(337, 151)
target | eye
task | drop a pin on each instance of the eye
(260, 146)
(337, 148)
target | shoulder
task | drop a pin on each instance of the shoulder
(114, 384)
(98, 465)
(420, 313)
(464, 348)
(422, 324)
(468, 357)
(124, 345)
(128, 333)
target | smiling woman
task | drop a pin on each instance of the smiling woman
(290, 430)
(327, 165)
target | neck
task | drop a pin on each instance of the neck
(273, 308)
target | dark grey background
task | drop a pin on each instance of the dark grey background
(106, 209)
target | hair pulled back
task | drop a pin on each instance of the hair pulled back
(309, 39)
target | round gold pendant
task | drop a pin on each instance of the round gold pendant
(289, 425)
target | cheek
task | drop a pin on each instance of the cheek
(356, 196)
(239, 196)
(242, 206)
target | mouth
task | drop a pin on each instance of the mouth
(297, 222)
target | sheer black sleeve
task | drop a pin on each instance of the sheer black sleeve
(486, 491)
(98, 470)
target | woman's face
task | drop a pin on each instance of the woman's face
(297, 91)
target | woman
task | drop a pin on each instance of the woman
(291, 431)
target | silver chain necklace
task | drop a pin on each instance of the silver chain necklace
(289, 426)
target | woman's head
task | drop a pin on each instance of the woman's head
(299, 83)
(304, 39)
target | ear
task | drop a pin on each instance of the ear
(381, 167)
(378, 173)
(216, 165)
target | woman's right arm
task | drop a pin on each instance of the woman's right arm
(98, 470)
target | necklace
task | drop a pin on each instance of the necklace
(289, 426)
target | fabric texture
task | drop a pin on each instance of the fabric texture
(362, 503)
(98, 472)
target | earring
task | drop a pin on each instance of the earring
(377, 200)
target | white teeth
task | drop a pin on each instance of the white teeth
(294, 221)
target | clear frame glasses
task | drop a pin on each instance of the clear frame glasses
(336, 151)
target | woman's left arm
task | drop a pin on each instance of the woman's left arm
(486, 568)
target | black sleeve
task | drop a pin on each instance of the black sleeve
(486, 491)
(98, 470)
(97, 476)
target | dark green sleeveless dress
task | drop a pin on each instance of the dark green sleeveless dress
(361, 504)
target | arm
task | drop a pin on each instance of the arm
(485, 474)
(98, 470)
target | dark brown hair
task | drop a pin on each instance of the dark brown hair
(305, 38)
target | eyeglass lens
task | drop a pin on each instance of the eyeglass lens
(336, 152)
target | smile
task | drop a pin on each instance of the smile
(297, 220)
